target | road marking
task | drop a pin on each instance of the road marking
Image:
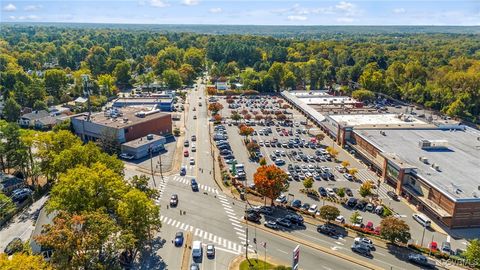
(234, 220)
(283, 251)
(239, 229)
(379, 253)
(240, 226)
(236, 252)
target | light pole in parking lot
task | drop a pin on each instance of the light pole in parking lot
(423, 234)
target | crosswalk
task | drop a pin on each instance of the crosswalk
(235, 221)
(186, 180)
(209, 237)
(365, 174)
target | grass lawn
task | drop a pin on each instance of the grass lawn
(258, 265)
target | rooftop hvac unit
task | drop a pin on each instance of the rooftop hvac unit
(433, 144)
(424, 160)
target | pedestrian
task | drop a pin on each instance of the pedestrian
(180, 212)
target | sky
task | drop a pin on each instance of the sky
(245, 12)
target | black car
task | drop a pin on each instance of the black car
(361, 205)
(352, 202)
(194, 185)
(326, 229)
(254, 217)
(174, 200)
(179, 239)
(322, 192)
(296, 203)
(392, 195)
(295, 219)
(348, 192)
(284, 222)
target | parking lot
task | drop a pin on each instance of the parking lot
(301, 156)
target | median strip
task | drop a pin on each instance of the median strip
(186, 251)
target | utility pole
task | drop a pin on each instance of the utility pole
(151, 164)
(423, 235)
(86, 92)
(160, 164)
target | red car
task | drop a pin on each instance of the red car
(433, 246)
(185, 153)
(369, 226)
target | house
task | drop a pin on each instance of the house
(28, 119)
(44, 218)
(80, 101)
(37, 119)
(221, 84)
(9, 183)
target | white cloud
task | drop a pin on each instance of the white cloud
(32, 7)
(348, 8)
(10, 7)
(190, 2)
(28, 17)
(215, 10)
(345, 20)
(158, 3)
(12, 17)
(399, 10)
(297, 18)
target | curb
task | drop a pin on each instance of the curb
(320, 248)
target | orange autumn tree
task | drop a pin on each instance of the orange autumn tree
(215, 107)
(270, 181)
(246, 131)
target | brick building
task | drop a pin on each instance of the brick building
(125, 124)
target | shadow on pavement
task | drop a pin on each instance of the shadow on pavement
(149, 259)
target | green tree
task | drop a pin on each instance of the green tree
(87, 189)
(107, 84)
(122, 73)
(195, 57)
(139, 217)
(363, 95)
(97, 60)
(354, 217)
(395, 230)
(118, 52)
(14, 149)
(6, 204)
(341, 192)
(289, 80)
(263, 161)
(172, 79)
(329, 213)
(11, 110)
(308, 182)
(472, 253)
(141, 183)
(277, 71)
(40, 105)
(55, 82)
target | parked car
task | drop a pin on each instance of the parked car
(349, 192)
(281, 199)
(330, 192)
(192, 161)
(295, 219)
(348, 176)
(185, 153)
(183, 171)
(322, 191)
(296, 203)
(21, 194)
(312, 209)
(340, 219)
(392, 195)
(127, 156)
(446, 247)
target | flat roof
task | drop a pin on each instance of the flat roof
(143, 100)
(325, 100)
(126, 118)
(458, 177)
(311, 93)
(318, 117)
(143, 141)
(373, 120)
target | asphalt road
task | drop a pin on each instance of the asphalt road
(212, 217)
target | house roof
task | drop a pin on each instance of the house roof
(35, 115)
(7, 180)
(47, 121)
(80, 100)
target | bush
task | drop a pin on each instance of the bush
(386, 211)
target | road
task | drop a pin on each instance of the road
(22, 224)
(213, 217)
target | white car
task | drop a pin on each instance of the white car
(312, 209)
(340, 219)
(348, 176)
(330, 192)
(364, 241)
(340, 169)
(192, 161)
(127, 156)
(281, 199)
(194, 149)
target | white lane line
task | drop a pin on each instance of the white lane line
(283, 251)
(228, 250)
(234, 220)
(237, 225)
(239, 229)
